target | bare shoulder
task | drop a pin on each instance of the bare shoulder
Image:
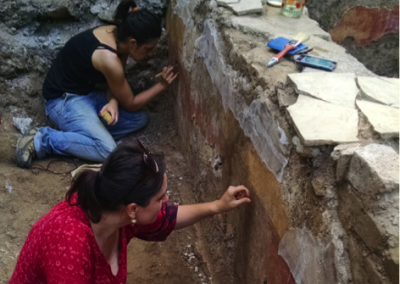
(105, 61)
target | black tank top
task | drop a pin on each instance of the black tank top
(72, 71)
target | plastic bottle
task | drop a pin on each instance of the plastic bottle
(293, 8)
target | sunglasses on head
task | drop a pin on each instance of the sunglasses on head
(148, 158)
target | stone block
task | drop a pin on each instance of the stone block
(374, 169)
(243, 7)
(336, 88)
(384, 119)
(353, 216)
(304, 151)
(321, 123)
(342, 154)
(380, 89)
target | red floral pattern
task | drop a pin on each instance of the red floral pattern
(61, 248)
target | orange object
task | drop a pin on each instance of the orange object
(107, 117)
(135, 9)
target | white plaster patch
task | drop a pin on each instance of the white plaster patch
(183, 10)
(283, 138)
(255, 120)
(306, 257)
(9, 187)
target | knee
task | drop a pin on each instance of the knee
(142, 120)
(106, 147)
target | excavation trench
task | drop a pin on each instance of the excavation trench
(225, 122)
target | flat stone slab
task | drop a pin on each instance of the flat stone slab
(374, 169)
(380, 89)
(384, 119)
(321, 123)
(243, 7)
(336, 88)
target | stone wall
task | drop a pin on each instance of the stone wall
(368, 29)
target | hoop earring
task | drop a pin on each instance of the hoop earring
(133, 221)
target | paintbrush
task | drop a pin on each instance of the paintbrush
(299, 38)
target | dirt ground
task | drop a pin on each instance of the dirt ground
(28, 194)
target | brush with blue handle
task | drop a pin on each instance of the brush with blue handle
(296, 41)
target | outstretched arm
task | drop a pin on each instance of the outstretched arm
(190, 214)
(112, 68)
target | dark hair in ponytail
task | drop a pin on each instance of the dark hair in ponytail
(142, 25)
(124, 178)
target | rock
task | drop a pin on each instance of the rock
(243, 7)
(95, 9)
(374, 169)
(342, 154)
(154, 6)
(106, 11)
(23, 124)
(380, 89)
(321, 123)
(286, 98)
(304, 151)
(384, 119)
(336, 88)
(319, 186)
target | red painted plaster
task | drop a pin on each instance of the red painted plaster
(276, 271)
(366, 25)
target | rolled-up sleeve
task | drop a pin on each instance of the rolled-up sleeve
(157, 231)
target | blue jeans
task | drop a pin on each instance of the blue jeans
(82, 132)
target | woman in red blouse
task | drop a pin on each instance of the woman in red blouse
(84, 238)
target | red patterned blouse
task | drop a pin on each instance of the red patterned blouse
(61, 248)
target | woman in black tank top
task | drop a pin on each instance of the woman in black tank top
(96, 56)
